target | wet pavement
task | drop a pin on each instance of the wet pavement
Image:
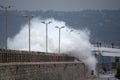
(106, 76)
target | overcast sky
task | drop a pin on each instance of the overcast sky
(62, 5)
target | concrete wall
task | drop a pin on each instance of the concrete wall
(42, 71)
(7, 56)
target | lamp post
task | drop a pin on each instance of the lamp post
(29, 23)
(6, 35)
(59, 35)
(46, 23)
(99, 57)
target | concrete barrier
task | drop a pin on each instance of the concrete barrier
(43, 71)
(8, 56)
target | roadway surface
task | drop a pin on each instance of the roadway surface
(106, 76)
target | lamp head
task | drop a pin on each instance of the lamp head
(43, 22)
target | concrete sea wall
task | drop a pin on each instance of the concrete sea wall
(43, 71)
(8, 56)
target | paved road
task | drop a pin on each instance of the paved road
(106, 77)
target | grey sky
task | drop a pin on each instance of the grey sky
(62, 5)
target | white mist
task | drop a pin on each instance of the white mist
(75, 43)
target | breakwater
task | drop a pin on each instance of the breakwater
(7, 56)
(42, 71)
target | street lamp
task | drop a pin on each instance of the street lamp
(29, 23)
(99, 57)
(6, 10)
(59, 35)
(46, 23)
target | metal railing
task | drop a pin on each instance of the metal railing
(105, 45)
